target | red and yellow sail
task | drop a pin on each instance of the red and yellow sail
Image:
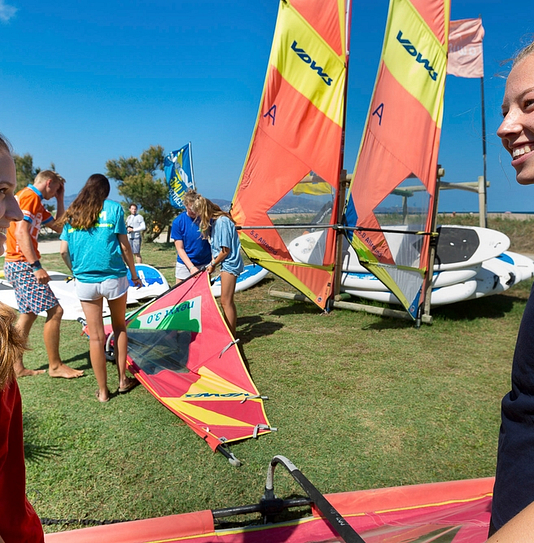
(181, 350)
(401, 142)
(298, 133)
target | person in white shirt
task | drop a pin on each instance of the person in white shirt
(135, 224)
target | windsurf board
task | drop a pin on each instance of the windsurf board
(154, 284)
(440, 296)
(367, 281)
(458, 247)
(64, 288)
(250, 276)
(523, 264)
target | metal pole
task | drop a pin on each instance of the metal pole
(483, 201)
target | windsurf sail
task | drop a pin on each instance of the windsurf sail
(178, 167)
(181, 350)
(393, 190)
(291, 172)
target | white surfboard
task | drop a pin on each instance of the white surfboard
(64, 290)
(440, 296)
(367, 281)
(503, 276)
(523, 264)
(458, 247)
(250, 276)
(154, 284)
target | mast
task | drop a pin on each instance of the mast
(343, 182)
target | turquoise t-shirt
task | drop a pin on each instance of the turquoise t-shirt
(96, 253)
(224, 234)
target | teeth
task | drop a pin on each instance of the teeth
(520, 152)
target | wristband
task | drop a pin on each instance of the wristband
(36, 265)
(212, 264)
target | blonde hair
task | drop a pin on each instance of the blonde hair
(189, 197)
(524, 53)
(12, 345)
(45, 175)
(207, 212)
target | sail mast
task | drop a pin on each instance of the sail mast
(340, 236)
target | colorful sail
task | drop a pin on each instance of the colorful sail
(450, 512)
(296, 144)
(181, 350)
(178, 168)
(397, 162)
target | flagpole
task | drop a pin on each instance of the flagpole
(483, 203)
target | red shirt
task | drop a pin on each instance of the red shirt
(19, 522)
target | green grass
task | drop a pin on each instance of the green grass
(359, 402)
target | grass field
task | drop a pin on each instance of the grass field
(359, 401)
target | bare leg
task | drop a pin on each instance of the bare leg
(24, 325)
(138, 258)
(97, 341)
(56, 368)
(120, 340)
(228, 282)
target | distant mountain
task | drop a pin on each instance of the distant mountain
(223, 204)
(69, 199)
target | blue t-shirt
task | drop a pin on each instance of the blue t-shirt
(185, 229)
(224, 234)
(95, 253)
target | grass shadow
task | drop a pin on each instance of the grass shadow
(77, 358)
(254, 326)
(491, 307)
(33, 450)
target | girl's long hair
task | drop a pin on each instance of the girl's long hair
(207, 212)
(83, 213)
(12, 345)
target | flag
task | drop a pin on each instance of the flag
(178, 168)
(465, 48)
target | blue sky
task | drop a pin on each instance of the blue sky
(85, 82)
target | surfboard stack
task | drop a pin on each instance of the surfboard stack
(471, 262)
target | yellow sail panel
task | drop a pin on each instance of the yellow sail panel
(209, 417)
(308, 64)
(211, 385)
(419, 64)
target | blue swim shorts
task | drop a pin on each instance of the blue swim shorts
(32, 297)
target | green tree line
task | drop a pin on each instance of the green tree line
(139, 180)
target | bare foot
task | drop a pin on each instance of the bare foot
(65, 371)
(25, 372)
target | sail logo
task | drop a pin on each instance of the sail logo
(217, 395)
(408, 45)
(301, 53)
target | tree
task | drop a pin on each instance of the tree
(140, 181)
(26, 172)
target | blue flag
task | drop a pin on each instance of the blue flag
(179, 174)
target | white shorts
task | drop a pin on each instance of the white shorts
(110, 289)
(181, 271)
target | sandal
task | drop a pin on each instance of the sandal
(97, 394)
(132, 383)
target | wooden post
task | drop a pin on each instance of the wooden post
(482, 201)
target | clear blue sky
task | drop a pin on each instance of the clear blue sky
(85, 82)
